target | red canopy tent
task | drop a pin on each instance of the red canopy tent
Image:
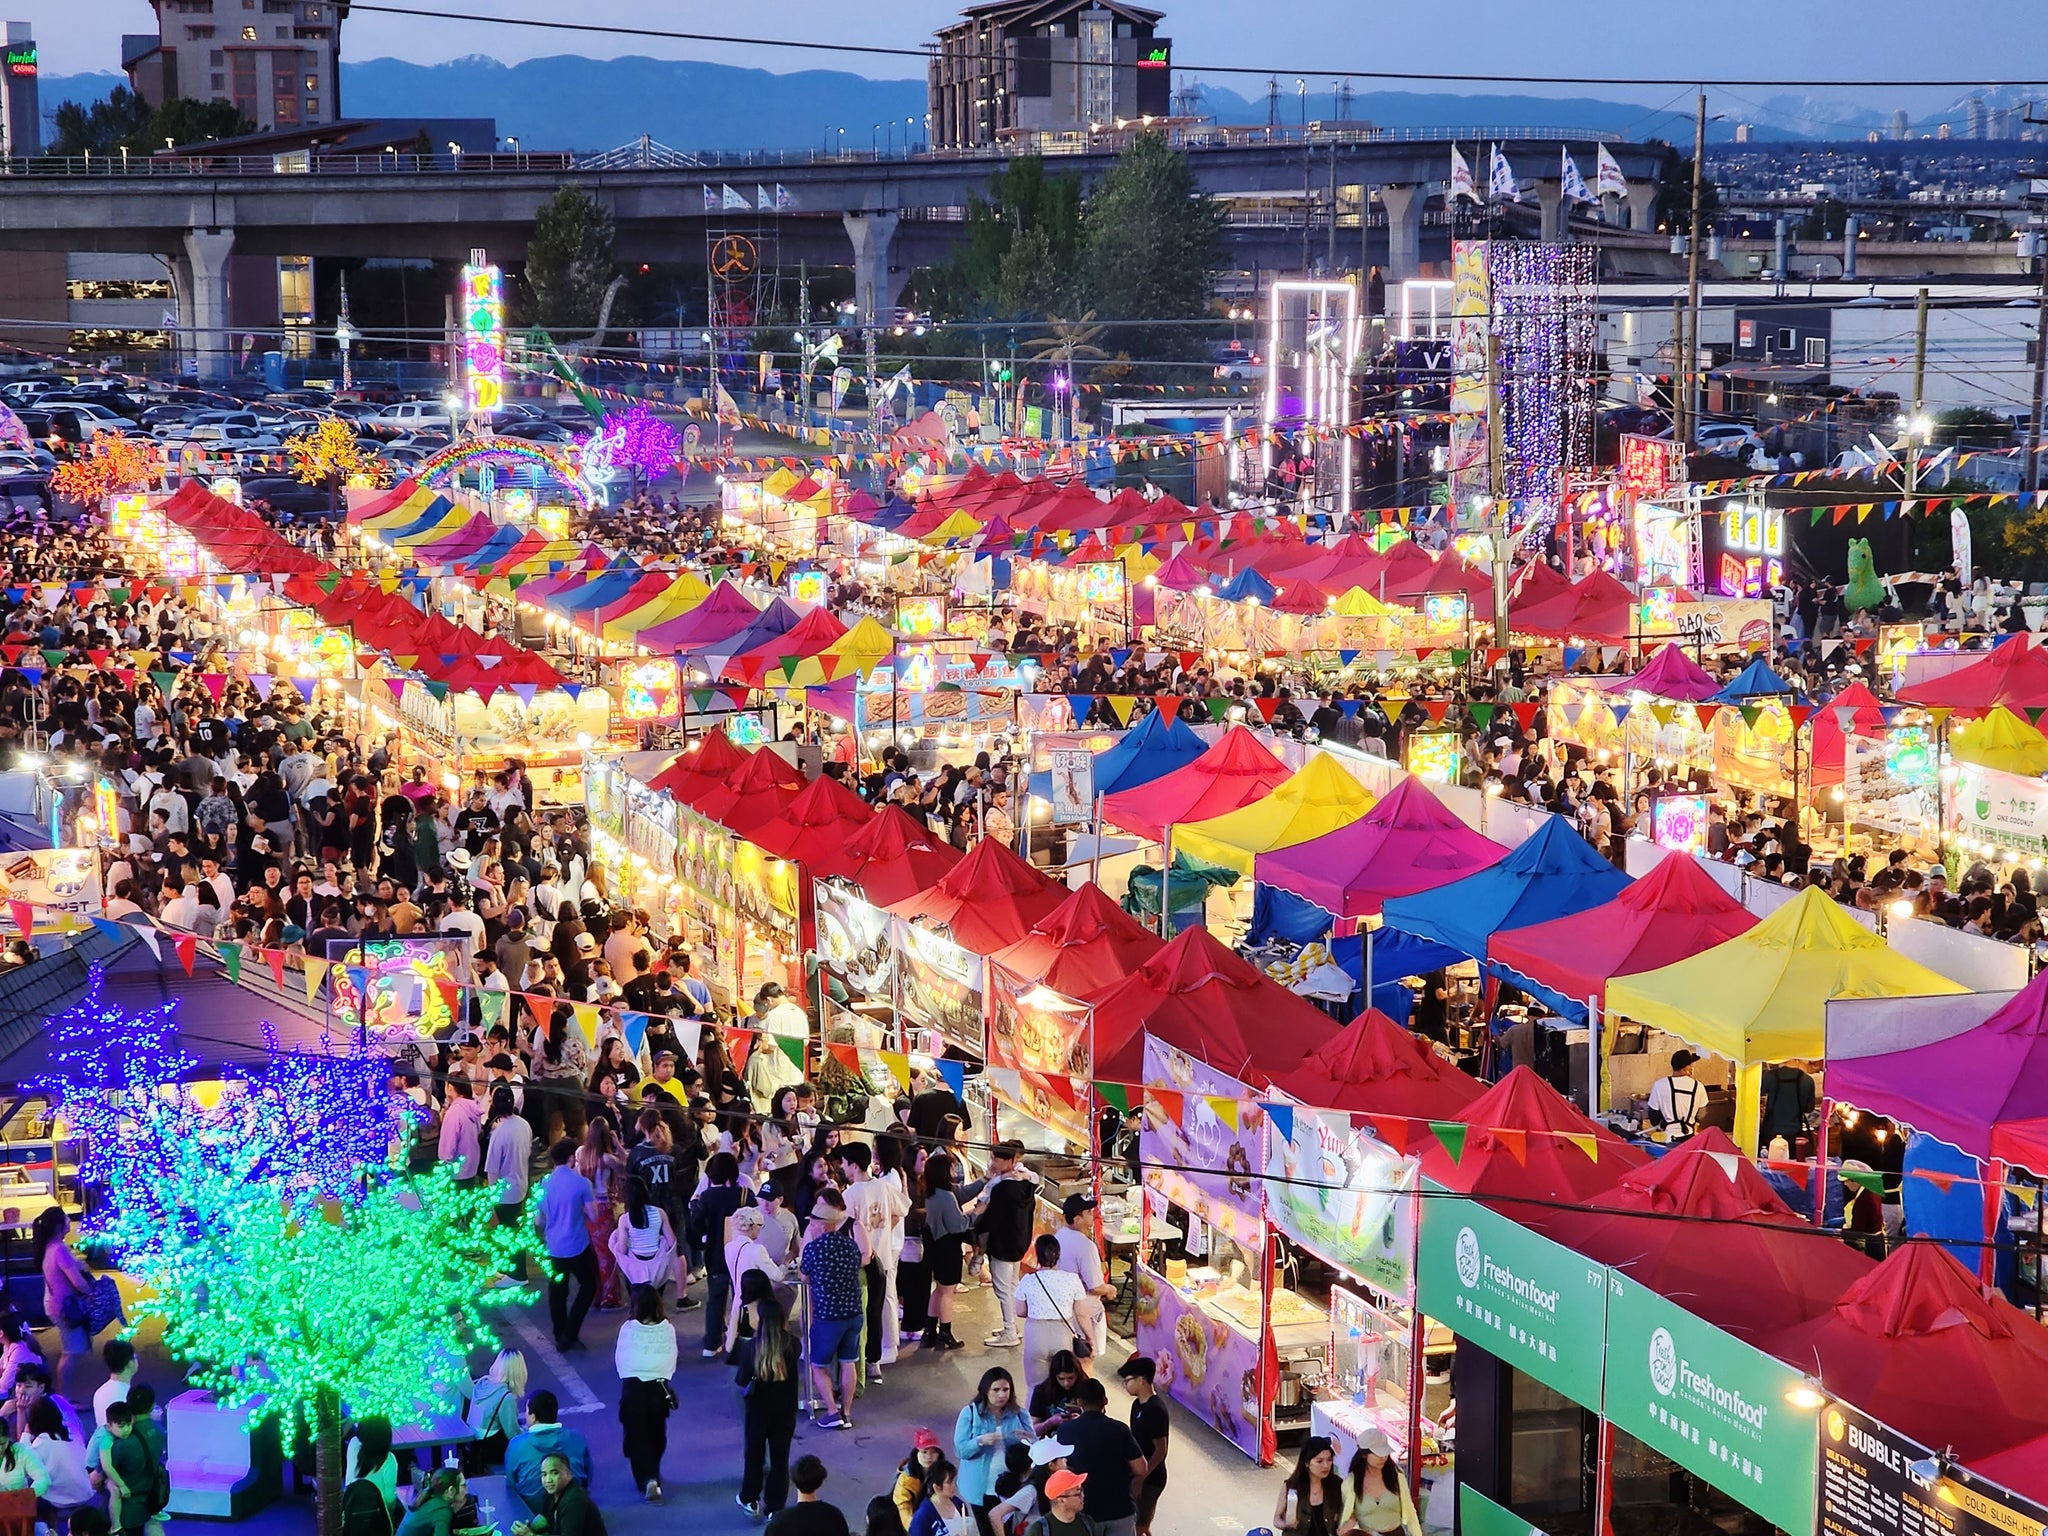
(1233, 773)
(2023, 1468)
(895, 856)
(807, 637)
(1449, 573)
(1670, 674)
(1759, 1269)
(1083, 947)
(1199, 996)
(1597, 608)
(1919, 1344)
(709, 761)
(1404, 564)
(1374, 1066)
(1409, 842)
(763, 786)
(1670, 914)
(989, 900)
(1515, 1151)
(1538, 581)
(1300, 596)
(815, 827)
(1337, 568)
(1829, 740)
(2015, 674)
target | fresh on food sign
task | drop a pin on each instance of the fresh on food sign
(1533, 1303)
(1713, 1404)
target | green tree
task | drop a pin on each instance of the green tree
(1022, 247)
(102, 127)
(569, 261)
(1151, 243)
(183, 121)
(1674, 197)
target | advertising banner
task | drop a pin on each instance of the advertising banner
(1715, 1405)
(53, 880)
(1891, 782)
(1047, 1039)
(1534, 1303)
(941, 986)
(854, 952)
(1199, 1143)
(2002, 808)
(1203, 1362)
(1868, 1488)
(1345, 1196)
(764, 892)
(1073, 786)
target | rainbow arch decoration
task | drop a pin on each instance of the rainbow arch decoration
(451, 461)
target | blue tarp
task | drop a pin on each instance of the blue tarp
(1151, 749)
(1755, 681)
(1554, 874)
(1394, 956)
(1953, 1217)
(1246, 583)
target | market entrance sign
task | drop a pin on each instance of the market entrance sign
(1533, 1303)
(1713, 1404)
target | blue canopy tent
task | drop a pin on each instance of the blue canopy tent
(1553, 874)
(1755, 681)
(891, 515)
(495, 548)
(1149, 750)
(1247, 583)
(608, 587)
(437, 509)
(1278, 914)
(778, 618)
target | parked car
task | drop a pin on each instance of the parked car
(285, 494)
(538, 431)
(225, 438)
(411, 416)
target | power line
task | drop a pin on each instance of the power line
(922, 54)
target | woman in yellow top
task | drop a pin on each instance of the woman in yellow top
(1376, 1498)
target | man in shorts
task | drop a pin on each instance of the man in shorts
(834, 1254)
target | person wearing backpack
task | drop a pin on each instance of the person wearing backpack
(1785, 1099)
(1676, 1100)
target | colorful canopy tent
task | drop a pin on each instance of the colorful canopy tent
(1523, 1145)
(1758, 1269)
(815, 827)
(1151, 749)
(1595, 608)
(1917, 1343)
(1408, 843)
(1236, 770)
(386, 501)
(1755, 681)
(2015, 674)
(1200, 997)
(857, 652)
(776, 657)
(2000, 740)
(1318, 800)
(686, 591)
(1674, 911)
(1374, 1066)
(1538, 582)
(725, 612)
(988, 901)
(1082, 948)
(1763, 996)
(1864, 712)
(1670, 674)
(707, 762)
(1553, 874)
(1965, 1087)
(895, 856)
(763, 786)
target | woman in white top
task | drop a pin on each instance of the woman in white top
(1056, 1309)
(70, 1485)
(20, 1467)
(745, 1252)
(646, 1359)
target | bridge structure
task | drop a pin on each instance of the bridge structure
(888, 214)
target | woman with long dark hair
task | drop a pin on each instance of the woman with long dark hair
(945, 1231)
(1312, 1498)
(983, 1435)
(646, 1359)
(769, 1372)
(1376, 1501)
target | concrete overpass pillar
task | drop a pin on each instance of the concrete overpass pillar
(1404, 231)
(1851, 230)
(1554, 222)
(1642, 205)
(874, 291)
(206, 261)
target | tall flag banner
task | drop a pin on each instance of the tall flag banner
(763, 203)
(710, 200)
(722, 399)
(1574, 184)
(783, 200)
(1500, 176)
(734, 199)
(1607, 175)
(1461, 178)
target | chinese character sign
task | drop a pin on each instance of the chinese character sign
(483, 338)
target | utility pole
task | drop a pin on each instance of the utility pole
(1496, 482)
(2040, 398)
(1684, 414)
(1920, 353)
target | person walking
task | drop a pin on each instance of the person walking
(1312, 1499)
(946, 1234)
(768, 1368)
(809, 1515)
(1106, 1454)
(562, 1217)
(1058, 1312)
(645, 1359)
(832, 1258)
(1006, 1199)
(710, 1211)
(1151, 1429)
(983, 1435)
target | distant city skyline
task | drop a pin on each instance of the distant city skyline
(1890, 39)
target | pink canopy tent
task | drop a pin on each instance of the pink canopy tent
(1918, 1343)
(1178, 575)
(1670, 674)
(724, 612)
(1764, 1268)
(2023, 1468)
(1538, 580)
(1963, 1089)
(1300, 596)
(2015, 674)
(1829, 740)
(1235, 771)
(1409, 842)
(1374, 1066)
(1673, 912)
(1337, 568)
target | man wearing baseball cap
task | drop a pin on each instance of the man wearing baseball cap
(1066, 1496)
(1107, 1455)
(1079, 1256)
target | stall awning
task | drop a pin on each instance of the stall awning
(1154, 747)
(815, 827)
(1236, 770)
(2000, 740)
(895, 856)
(1526, 1149)
(1551, 875)
(1083, 947)
(1670, 674)
(2015, 674)
(1374, 1066)
(708, 761)
(989, 900)
(1408, 843)
(1322, 797)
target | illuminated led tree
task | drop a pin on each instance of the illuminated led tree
(292, 1266)
(330, 454)
(111, 463)
(635, 440)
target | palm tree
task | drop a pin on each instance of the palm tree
(1065, 340)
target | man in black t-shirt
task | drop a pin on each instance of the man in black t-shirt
(1149, 1428)
(809, 1515)
(1107, 1454)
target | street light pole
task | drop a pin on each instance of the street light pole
(1683, 412)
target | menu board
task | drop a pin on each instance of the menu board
(1868, 1487)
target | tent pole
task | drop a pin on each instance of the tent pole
(1820, 1166)
(1365, 938)
(1994, 1201)
(1166, 886)
(1749, 1083)
(1095, 857)
(1593, 1022)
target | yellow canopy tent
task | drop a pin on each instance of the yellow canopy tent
(1361, 604)
(2001, 740)
(1763, 996)
(779, 483)
(406, 511)
(449, 521)
(861, 649)
(958, 526)
(1320, 798)
(684, 593)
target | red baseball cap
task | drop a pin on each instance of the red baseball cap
(1064, 1482)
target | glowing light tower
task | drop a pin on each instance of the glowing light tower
(1312, 340)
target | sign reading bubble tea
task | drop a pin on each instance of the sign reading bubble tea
(483, 338)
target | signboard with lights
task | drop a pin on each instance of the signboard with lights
(1434, 756)
(1445, 610)
(1752, 549)
(814, 587)
(483, 338)
(21, 60)
(650, 689)
(1679, 822)
(920, 616)
(1648, 465)
(1156, 57)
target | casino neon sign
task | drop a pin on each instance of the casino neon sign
(483, 338)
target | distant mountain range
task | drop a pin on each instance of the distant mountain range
(570, 102)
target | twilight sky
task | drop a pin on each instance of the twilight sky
(1775, 39)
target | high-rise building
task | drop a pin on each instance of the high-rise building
(21, 121)
(1901, 124)
(1976, 119)
(278, 61)
(1742, 131)
(1011, 70)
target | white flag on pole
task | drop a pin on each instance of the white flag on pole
(733, 199)
(1574, 187)
(1607, 176)
(1500, 176)
(1461, 178)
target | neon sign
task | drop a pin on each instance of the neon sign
(1679, 822)
(1647, 466)
(1156, 58)
(920, 615)
(649, 690)
(810, 587)
(1433, 756)
(1753, 529)
(1445, 610)
(483, 328)
(21, 60)
(1909, 755)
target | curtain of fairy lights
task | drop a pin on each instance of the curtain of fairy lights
(1545, 316)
